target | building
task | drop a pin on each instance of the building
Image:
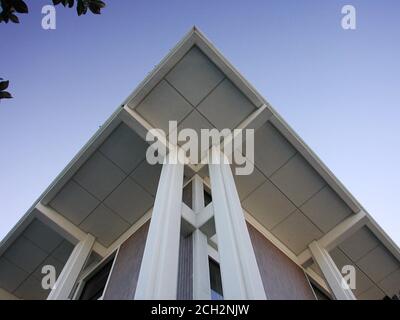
(115, 227)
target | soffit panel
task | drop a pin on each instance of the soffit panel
(296, 232)
(105, 225)
(74, 202)
(99, 176)
(147, 176)
(298, 180)
(226, 106)
(129, 201)
(268, 205)
(391, 284)
(125, 148)
(378, 263)
(163, 104)
(272, 150)
(359, 244)
(326, 209)
(195, 76)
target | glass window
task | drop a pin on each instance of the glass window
(94, 285)
(215, 281)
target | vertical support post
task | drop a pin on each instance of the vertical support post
(239, 270)
(332, 275)
(67, 279)
(158, 275)
(201, 271)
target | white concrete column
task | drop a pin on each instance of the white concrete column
(332, 275)
(201, 270)
(158, 275)
(67, 279)
(239, 270)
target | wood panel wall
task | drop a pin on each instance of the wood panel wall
(124, 276)
(282, 278)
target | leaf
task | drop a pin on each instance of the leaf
(81, 7)
(14, 18)
(20, 6)
(4, 84)
(5, 95)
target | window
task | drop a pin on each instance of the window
(321, 295)
(215, 280)
(93, 285)
(207, 196)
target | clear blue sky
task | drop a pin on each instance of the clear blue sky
(340, 90)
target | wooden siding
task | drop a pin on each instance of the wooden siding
(282, 278)
(124, 276)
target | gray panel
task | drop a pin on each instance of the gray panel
(359, 244)
(25, 254)
(391, 284)
(245, 184)
(272, 149)
(63, 251)
(196, 122)
(125, 148)
(105, 225)
(268, 205)
(99, 176)
(374, 293)
(194, 76)
(147, 176)
(42, 236)
(129, 200)
(226, 106)
(74, 203)
(363, 283)
(297, 232)
(50, 260)
(11, 276)
(326, 209)
(31, 289)
(298, 180)
(163, 104)
(378, 263)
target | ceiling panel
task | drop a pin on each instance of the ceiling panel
(226, 106)
(373, 293)
(296, 232)
(63, 251)
(391, 284)
(363, 283)
(326, 209)
(163, 104)
(268, 205)
(125, 148)
(74, 202)
(99, 176)
(50, 260)
(245, 184)
(272, 149)
(11, 276)
(25, 254)
(359, 244)
(147, 176)
(129, 200)
(194, 76)
(105, 225)
(42, 236)
(378, 263)
(31, 289)
(196, 122)
(298, 180)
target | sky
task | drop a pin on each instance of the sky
(338, 89)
